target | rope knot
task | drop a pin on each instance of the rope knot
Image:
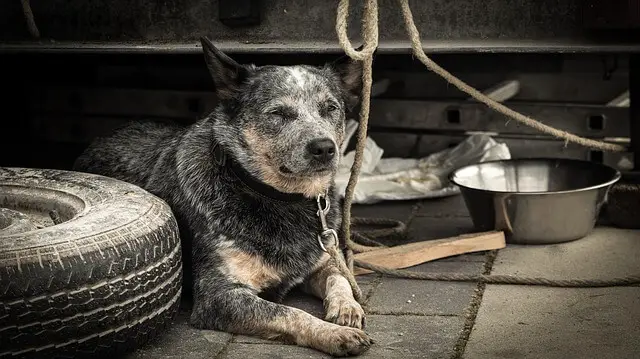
(369, 30)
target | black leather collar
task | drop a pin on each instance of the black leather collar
(249, 182)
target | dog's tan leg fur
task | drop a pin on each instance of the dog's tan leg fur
(304, 329)
(333, 288)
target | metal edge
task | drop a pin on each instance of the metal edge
(616, 176)
(386, 47)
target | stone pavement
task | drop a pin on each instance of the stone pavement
(540, 322)
(426, 319)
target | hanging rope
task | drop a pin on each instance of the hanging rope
(28, 15)
(503, 279)
(370, 39)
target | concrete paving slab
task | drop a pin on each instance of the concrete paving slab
(306, 302)
(397, 210)
(431, 337)
(270, 351)
(407, 296)
(452, 206)
(183, 341)
(470, 257)
(522, 322)
(427, 228)
(606, 253)
(366, 280)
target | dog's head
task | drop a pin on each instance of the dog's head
(284, 124)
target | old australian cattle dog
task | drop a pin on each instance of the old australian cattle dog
(243, 183)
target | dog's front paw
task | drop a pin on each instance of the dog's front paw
(343, 341)
(344, 310)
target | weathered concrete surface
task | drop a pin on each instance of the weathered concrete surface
(521, 322)
(605, 253)
(183, 341)
(408, 296)
(446, 207)
(427, 228)
(270, 351)
(408, 336)
(401, 210)
(540, 322)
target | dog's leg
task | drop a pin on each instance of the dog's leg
(335, 291)
(239, 310)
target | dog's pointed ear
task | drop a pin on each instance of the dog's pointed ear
(350, 73)
(227, 74)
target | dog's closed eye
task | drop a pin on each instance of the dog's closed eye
(276, 112)
(282, 112)
(328, 108)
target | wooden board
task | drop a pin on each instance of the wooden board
(408, 255)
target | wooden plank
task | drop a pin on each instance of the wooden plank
(409, 255)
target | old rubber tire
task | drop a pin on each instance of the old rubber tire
(102, 282)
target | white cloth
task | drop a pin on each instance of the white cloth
(403, 178)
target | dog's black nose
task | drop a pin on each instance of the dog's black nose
(322, 149)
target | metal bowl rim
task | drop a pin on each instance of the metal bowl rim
(616, 176)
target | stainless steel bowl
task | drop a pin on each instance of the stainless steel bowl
(535, 201)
